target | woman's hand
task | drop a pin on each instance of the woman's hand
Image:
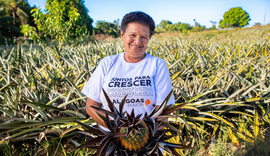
(93, 112)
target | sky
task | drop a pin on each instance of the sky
(184, 11)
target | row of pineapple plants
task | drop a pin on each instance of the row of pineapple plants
(224, 78)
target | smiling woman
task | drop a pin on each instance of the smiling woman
(144, 78)
(135, 41)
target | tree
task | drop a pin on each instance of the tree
(170, 27)
(6, 27)
(185, 27)
(198, 27)
(164, 23)
(13, 13)
(84, 19)
(55, 23)
(257, 24)
(180, 27)
(213, 25)
(104, 27)
(15, 8)
(235, 17)
(177, 26)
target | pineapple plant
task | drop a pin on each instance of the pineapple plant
(130, 135)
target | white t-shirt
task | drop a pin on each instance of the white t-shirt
(147, 83)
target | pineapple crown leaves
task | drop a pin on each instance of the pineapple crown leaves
(104, 138)
(113, 108)
(153, 125)
(105, 111)
(161, 136)
(150, 150)
(169, 109)
(99, 131)
(159, 141)
(110, 103)
(107, 122)
(169, 126)
(131, 122)
(157, 112)
(163, 110)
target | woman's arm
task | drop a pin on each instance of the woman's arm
(93, 112)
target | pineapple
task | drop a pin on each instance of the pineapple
(130, 135)
(135, 141)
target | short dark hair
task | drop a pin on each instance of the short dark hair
(138, 17)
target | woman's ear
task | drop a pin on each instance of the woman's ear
(122, 33)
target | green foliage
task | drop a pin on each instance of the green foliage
(235, 17)
(14, 7)
(7, 41)
(168, 26)
(13, 13)
(185, 27)
(103, 27)
(217, 147)
(198, 28)
(28, 30)
(9, 150)
(55, 24)
(177, 27)
(257, 24)
(84, 19)
(163, 24)
(213, 25)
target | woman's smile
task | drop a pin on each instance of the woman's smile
(136, 47)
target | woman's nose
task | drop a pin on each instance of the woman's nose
(138, 40)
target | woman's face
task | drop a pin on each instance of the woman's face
(135, 41)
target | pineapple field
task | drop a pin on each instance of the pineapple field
(223, 76)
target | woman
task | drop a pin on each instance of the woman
(143, 77)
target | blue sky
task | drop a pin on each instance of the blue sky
(183, 11)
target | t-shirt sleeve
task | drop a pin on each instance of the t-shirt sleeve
(163, 83)
(92, 88)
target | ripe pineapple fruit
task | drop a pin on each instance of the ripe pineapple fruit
(135, 140)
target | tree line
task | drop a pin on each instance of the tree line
(68, 19)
